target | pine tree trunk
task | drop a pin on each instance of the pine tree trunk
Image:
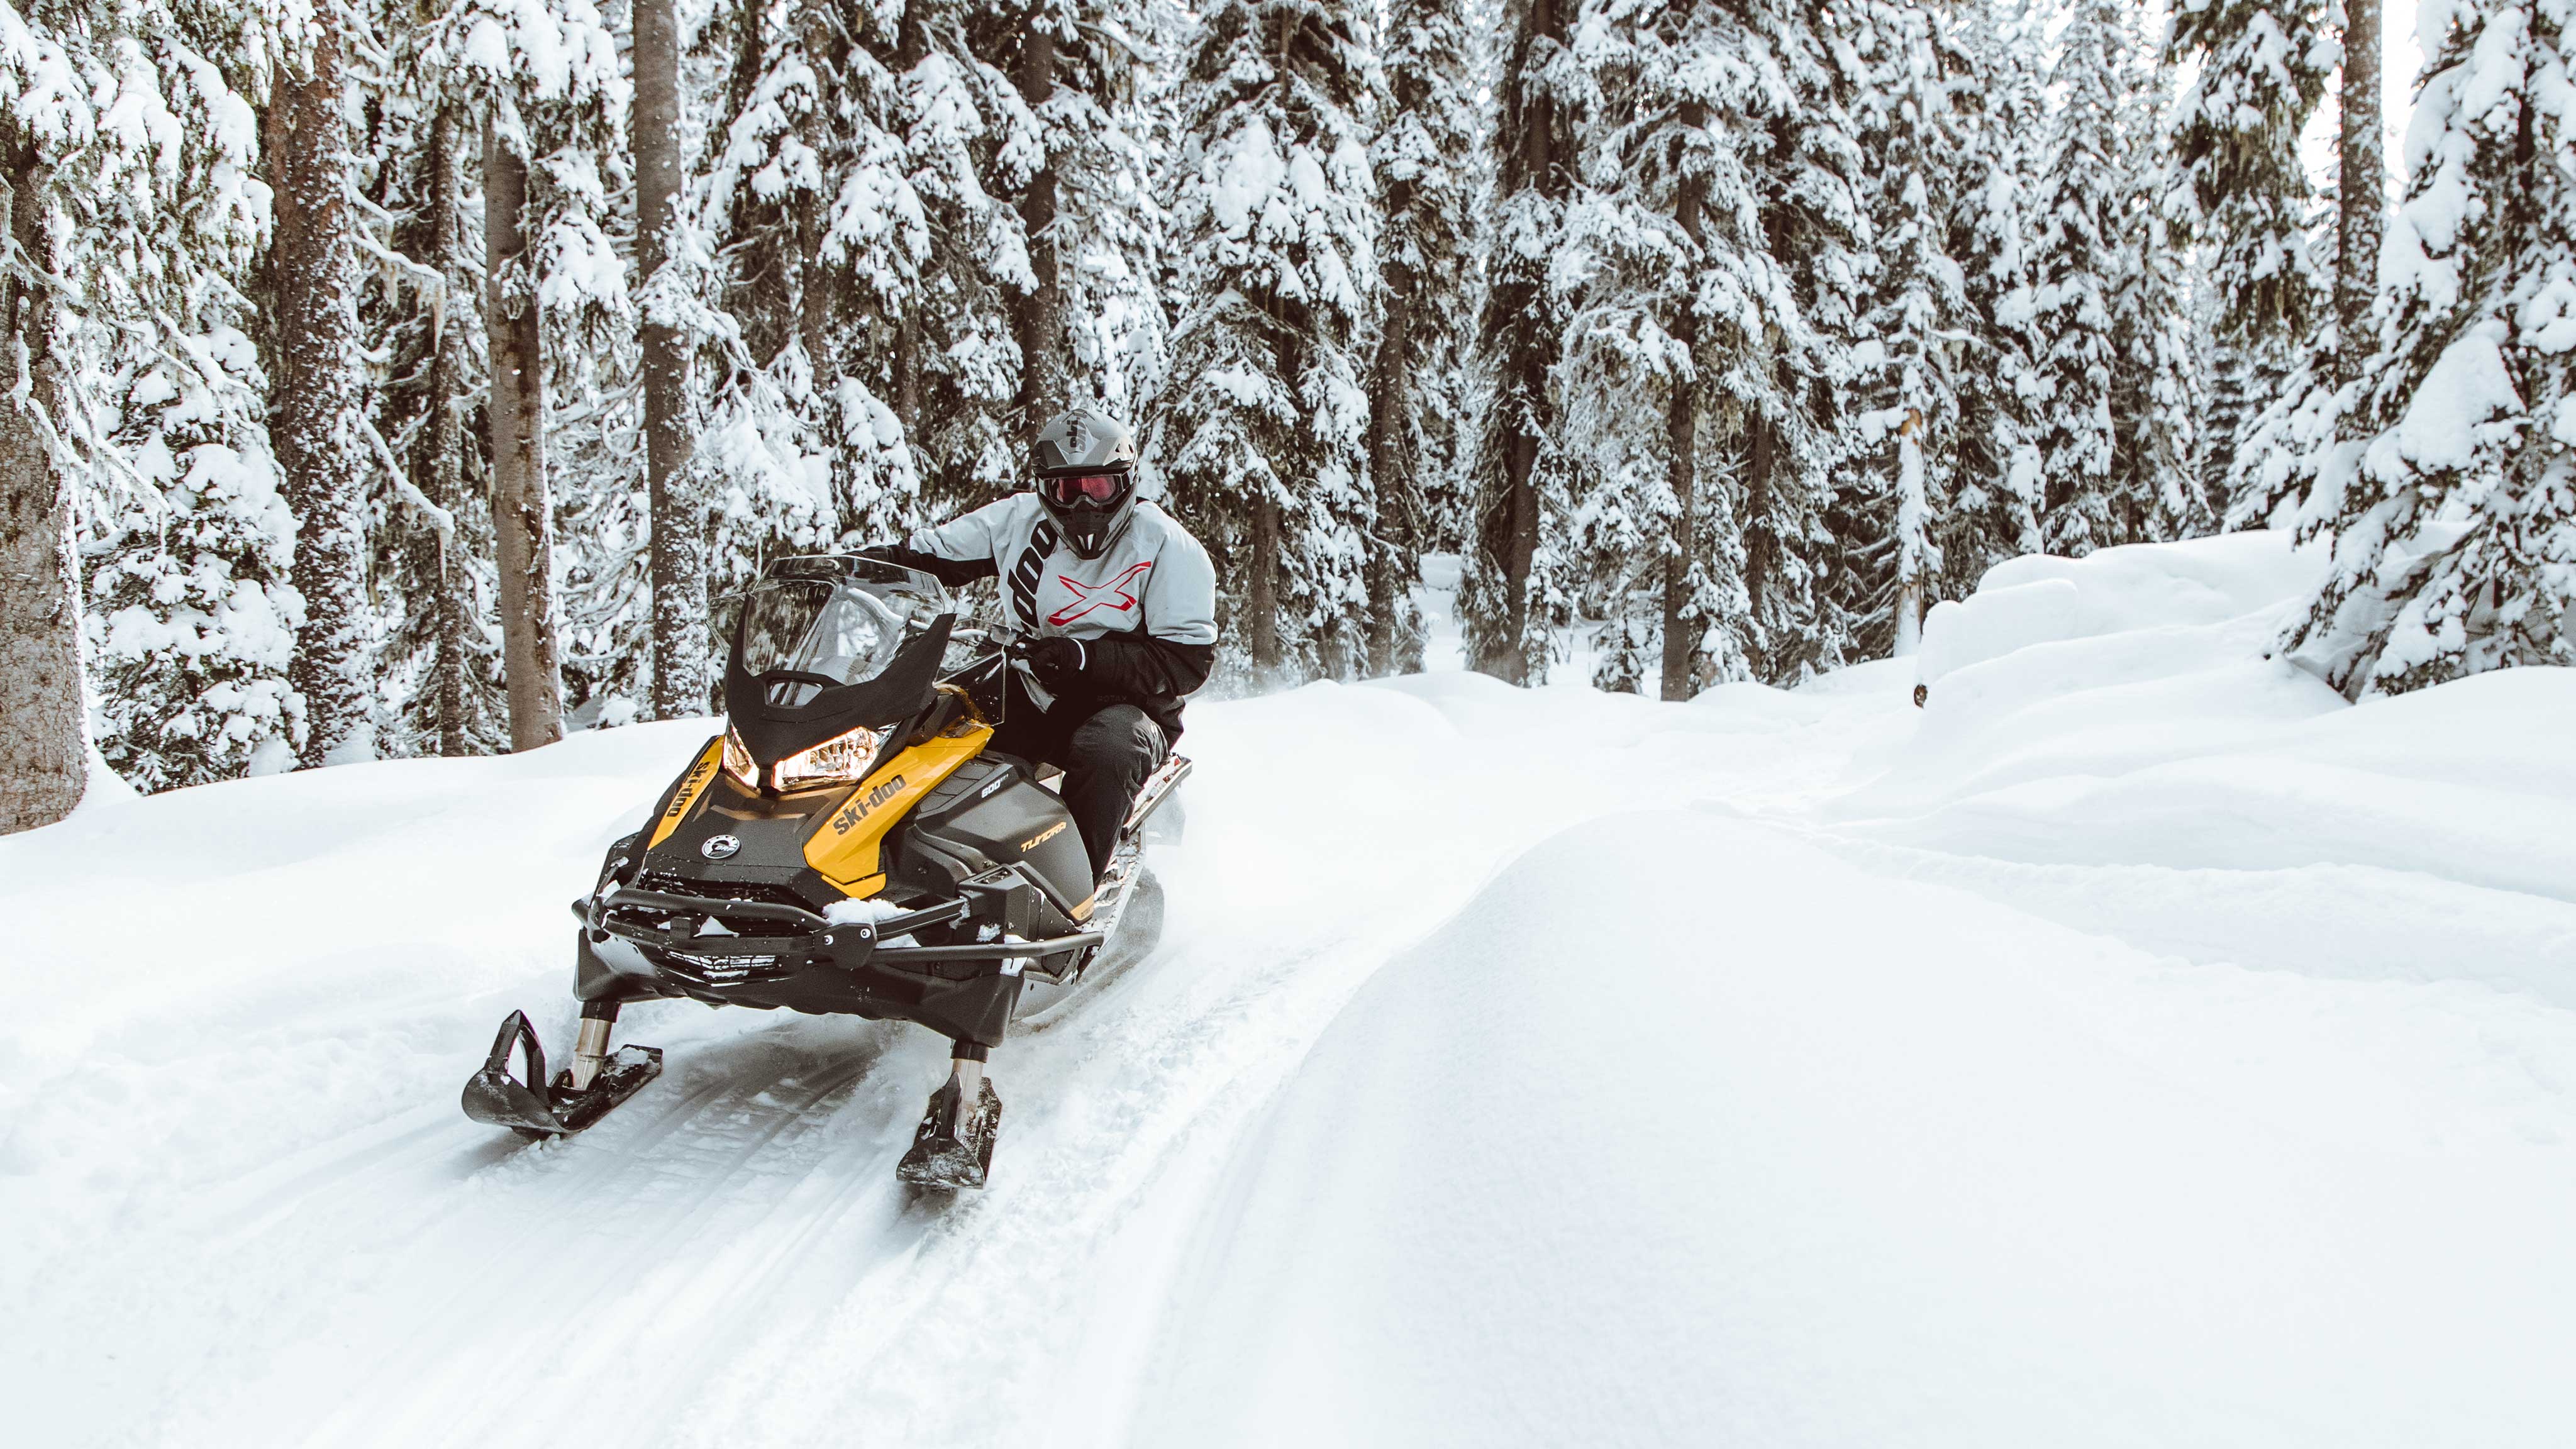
(2362, 186)
(814, 298)
(1261, 591)
(912, 43)
(1039, 316)
(1391, 457)
(441, 473)
(44, 733)
(678, 569)
(522, 525)
(1681, 440)
(315, 425)
(1761, 542)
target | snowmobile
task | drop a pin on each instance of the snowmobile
(847, 845)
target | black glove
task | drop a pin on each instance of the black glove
(1056, 661)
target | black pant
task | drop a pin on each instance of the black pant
(1105, 751)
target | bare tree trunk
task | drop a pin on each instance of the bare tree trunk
(679, 568)
(314, 390)
(1681, 441)
(44, 727)
(2363, 188)
(1390, 459)
(1910, 524)
(522, 522)
(1040, 314)
(1761, 540)
(813, 288)
(1261, 591)
(441, 473)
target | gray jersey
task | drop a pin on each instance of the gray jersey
(1154, 579)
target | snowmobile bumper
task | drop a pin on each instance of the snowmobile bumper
(533, 1108)
(637, 943)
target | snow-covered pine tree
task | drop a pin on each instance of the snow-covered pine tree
(1424, 157)
(2158, 399)
(2449, 487)
(829, 166)
(1993, 511)
(1520, 482)
(1915, 331)
(1261, 437)
(128, 137)
(2239, 187)
(1790, 380)
(1659, 138)
(552, 94)
(2076, 254)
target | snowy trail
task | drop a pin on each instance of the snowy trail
(1783, 1068)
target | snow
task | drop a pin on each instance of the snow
(2135, 1045)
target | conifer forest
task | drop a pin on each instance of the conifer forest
(405, 377)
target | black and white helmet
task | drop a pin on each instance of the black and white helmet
(1085, 463)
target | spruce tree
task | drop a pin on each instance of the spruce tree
(1262, 436)
(2447, 483)
(2077, 253)
(1423, 155)
(1993, 509)
(1520, 482)
(2240, 188)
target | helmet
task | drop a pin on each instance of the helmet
(1086, 477)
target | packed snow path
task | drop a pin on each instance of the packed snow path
(2137, 1046)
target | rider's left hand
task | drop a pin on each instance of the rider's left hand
(1055, 660)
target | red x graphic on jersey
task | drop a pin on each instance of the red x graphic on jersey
(1087, 597)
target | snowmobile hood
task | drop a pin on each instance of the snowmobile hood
(773, 731)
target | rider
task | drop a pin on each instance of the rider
(1117, 606)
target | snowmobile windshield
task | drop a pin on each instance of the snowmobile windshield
(817, 632)
(824, 646)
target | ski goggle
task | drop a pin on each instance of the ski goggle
(1072, 488)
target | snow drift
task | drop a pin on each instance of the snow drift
(2137, 1045)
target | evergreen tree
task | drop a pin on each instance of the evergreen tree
(1993, 509)
(2240, 187)
(131, 148)
(1423, 156)
(2077, 254)
(1918, 308)
(2157, 393)
(2446, 474)
(1262, 436)
(1519, 479)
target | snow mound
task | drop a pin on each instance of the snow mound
(1681, 1134)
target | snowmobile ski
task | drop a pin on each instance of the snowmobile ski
(492, 1095)
(950, 1154)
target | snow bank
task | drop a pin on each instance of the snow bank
(1680, 1134)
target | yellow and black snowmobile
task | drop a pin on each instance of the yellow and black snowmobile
(847, 845)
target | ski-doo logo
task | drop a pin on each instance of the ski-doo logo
(720, 847)
(688, 791)
(1032, 563)
(860, 808)
(1043, 836)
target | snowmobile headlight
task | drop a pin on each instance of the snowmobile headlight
(737, 759)
(843, 760)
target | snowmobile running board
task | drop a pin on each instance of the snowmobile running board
(492, 1095)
